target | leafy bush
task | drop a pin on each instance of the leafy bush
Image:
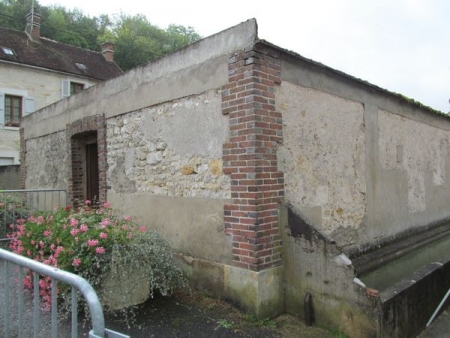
(95, 242)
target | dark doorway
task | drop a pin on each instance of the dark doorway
(92, 186)
(85, 168)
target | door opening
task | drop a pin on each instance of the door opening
(92, 186)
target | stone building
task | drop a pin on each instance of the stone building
(280, 182)
(35, 72)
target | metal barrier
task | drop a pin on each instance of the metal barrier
(441, 304)
(16, 204)
(75, 281)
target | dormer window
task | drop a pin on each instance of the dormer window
(81, 66)
(7, 51)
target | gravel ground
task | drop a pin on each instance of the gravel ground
(181, 315)
(196, 315)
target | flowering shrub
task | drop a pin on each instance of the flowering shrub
(11, 209)
(93, 242)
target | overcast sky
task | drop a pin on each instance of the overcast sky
(399, 45)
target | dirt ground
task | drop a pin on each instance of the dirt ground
(197, 315)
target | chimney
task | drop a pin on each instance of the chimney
(108, 51)
(33, 27)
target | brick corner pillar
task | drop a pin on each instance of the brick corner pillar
(257, 187)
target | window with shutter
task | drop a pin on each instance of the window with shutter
(13, 110)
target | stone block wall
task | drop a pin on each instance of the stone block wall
(44, 162)
(172, 149)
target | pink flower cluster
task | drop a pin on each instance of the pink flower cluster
(69, 238)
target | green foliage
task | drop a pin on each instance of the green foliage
(338, 333)
(265, 322)
(13, 12)
(137, 40)
(225, 324)
(93, 243)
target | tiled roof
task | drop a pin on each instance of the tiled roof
(56, 56)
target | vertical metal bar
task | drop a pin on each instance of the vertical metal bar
(7, 305)
(4, 212)
(21, 303)
(36, 308)
(13, 209)
(45, 201)
(54, 308)
(74, 313)
(438, 308)
(52, 205)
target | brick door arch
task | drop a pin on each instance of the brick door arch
(87, 142)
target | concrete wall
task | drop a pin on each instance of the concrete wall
(315, 265)
(323, 156)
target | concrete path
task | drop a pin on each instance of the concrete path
(440, 328)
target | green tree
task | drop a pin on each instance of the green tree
(179, 37)
(13, 12)
(137, 40)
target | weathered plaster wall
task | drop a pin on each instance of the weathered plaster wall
(386, 158)
(407, 184)
(47, 161)
(323, 156)
(418, 149)
(363, 166)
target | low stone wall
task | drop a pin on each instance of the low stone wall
(10, 177)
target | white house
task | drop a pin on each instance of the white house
(36, 72)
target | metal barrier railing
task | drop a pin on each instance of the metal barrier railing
(76, 282)
(16, 204)
(441, 304)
